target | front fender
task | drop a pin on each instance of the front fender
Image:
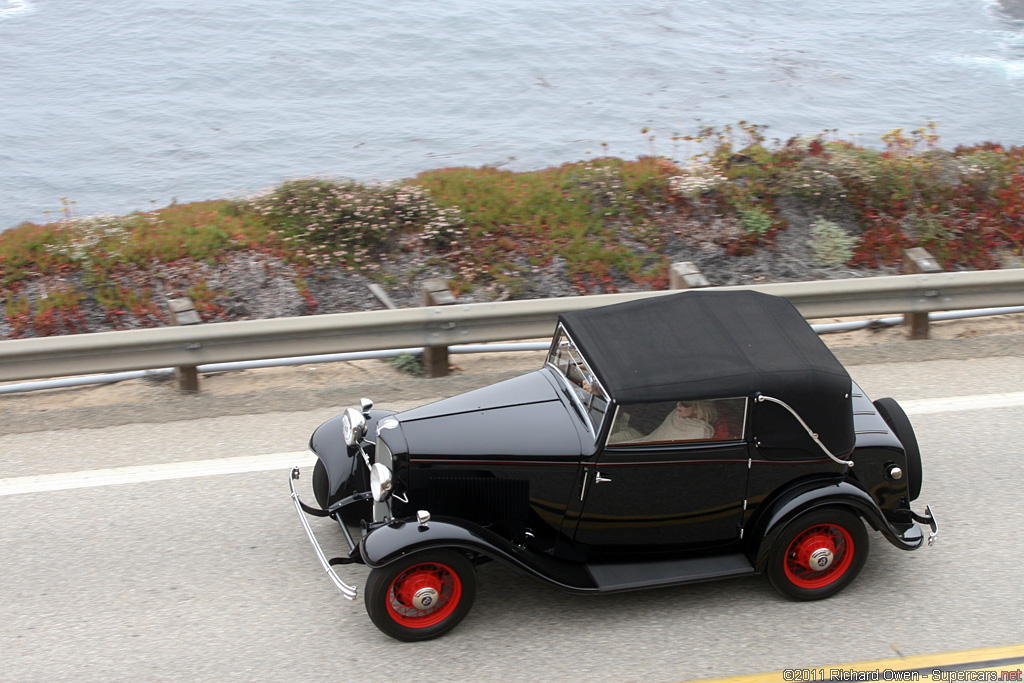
(340, 462)
(384, 545)
(824, 494)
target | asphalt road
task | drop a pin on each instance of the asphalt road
(210, 578)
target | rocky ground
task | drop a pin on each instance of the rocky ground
(1013, 8)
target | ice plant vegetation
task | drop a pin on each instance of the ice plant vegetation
(830, 243)
(697, 180)
(325, 221)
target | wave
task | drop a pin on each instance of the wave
(1013, 69)
(15, 7)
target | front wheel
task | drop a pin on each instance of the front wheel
(818, 554)
(421, 596)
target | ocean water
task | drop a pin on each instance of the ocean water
(118, 105)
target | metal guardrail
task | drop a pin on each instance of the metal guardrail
(22, 359)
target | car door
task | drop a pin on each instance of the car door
(680, 494)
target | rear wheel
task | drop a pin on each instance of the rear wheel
(818, 554)
(421, 596)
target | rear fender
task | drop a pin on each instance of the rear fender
(812, 495)
(899, 423)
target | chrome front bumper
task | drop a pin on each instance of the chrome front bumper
(348, 591)
(929, 519)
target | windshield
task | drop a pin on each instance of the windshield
(583, 385)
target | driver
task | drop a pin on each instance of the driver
(690, 420)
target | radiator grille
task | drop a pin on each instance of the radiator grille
(483, 500)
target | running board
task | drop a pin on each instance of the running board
(628, 576)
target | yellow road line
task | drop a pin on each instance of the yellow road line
(1004, 658)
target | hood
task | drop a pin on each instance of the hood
(520, 417)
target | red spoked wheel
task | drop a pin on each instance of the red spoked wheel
(424, 595)
(421, 596)
(818, 554)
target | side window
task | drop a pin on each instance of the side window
(719, 419)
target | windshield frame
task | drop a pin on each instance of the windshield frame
(593, 405)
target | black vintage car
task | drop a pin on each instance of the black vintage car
(674, 439)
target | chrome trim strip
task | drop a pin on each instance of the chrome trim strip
(762, 398)
(348, 591)
(746, 414)
(477, 461)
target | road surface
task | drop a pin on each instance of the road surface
(155, 570)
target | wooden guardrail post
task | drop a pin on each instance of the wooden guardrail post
(435, 358)
(686, 275)
(183, 312)
(918, 261)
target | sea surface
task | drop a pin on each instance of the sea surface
(121, 105)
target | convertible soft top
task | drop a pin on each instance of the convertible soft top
(702, 345)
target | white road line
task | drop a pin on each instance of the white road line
(144, 473)
(280, 461)
(924, 406)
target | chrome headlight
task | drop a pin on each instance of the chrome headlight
(353, 426)
(380, 482)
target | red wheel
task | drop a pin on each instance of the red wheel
(421, 596)
(818, 554)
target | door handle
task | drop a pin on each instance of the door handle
(598, 479)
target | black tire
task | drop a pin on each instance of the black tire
(321, 485)
(394, 593)
(789, 562)
(898, 421)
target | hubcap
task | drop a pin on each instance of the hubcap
(821, 559)
(424, 598)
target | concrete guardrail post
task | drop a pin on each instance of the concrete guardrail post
(183, 312)
(686, 275)
(435, 358)
(918, 261)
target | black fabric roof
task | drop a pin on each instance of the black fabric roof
(699, 344)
